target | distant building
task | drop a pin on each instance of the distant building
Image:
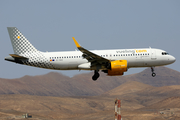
(162, 112)
(27, 115)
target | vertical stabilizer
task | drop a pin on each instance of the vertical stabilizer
(20, 44)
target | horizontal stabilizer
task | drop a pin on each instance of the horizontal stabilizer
(17, 56)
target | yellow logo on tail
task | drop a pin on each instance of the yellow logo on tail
(18, 37)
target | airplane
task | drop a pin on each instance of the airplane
(113, 62)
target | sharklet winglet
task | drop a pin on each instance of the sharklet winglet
(76, 43)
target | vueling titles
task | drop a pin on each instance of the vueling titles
(131, 51)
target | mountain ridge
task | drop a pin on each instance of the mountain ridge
(56, 84)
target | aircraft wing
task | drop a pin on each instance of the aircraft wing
(90, 56)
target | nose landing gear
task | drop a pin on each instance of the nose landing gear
(152, 70)
(96, 75)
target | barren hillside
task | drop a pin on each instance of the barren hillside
(135, 106)
(128, 87)
(170, 102)
(55, 84)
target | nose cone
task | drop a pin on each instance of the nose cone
(172, 59)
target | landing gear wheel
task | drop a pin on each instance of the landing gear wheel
(153, 74)
(95, 76)
(152, 70)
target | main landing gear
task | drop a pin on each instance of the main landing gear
(152, 70)
(96, 75)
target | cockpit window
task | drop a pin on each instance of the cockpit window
(165, 53)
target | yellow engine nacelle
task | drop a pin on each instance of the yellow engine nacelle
(118, 67)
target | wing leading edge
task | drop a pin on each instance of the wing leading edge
(95, 60)
(90, 56)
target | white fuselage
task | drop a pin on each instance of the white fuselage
(146, 57)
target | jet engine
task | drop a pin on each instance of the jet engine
(117, 67)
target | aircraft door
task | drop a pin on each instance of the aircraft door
(153, 54)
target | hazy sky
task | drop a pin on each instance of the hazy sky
(96, 24)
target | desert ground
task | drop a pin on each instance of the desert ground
(58, 97)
